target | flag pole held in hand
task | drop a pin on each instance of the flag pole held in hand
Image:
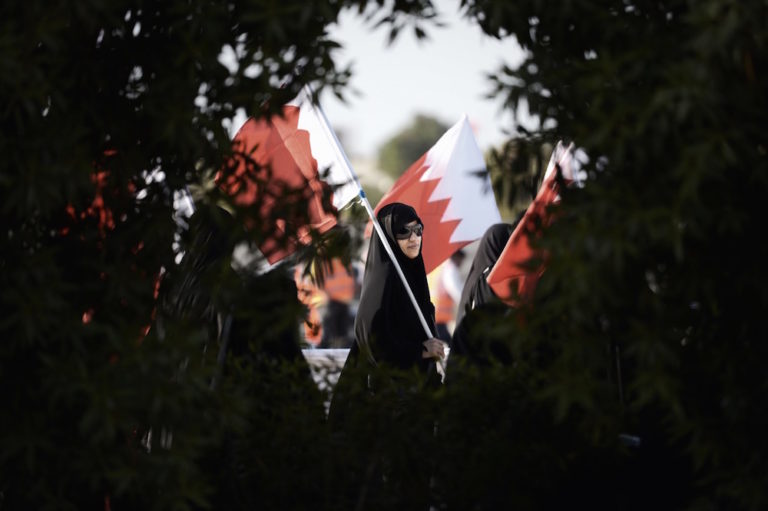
(364, 200)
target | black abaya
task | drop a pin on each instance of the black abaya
(387, 328)
(388, 334)
(476, 290)
(388, 331)
(478, 295)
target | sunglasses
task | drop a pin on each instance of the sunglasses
(405, 231)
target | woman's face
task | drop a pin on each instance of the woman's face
(409, 239)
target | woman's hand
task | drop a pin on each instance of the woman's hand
(435, 348)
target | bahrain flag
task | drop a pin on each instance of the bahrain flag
(512, 278)
(288, 166)
(450, 189)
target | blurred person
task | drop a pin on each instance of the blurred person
(329, 319)
(315, 300)
(339, 288)
(446, 283)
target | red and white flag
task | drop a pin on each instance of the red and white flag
(512, 278)
(297, 159)
(451, 191)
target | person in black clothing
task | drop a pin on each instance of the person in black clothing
(476, 430)
(391, 360)
(477, 294)
(387, 327)
(476, 290)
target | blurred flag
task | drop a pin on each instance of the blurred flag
(298, 160)
(450, 189)
(511, 278)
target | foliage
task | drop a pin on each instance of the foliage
(648, 323)
(516, 169)
(404, 148)
(653, 284)
(109, 111)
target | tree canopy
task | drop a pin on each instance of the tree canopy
(650, 305)
(638, 374)
(109, 111)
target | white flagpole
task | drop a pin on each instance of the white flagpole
(340, 152)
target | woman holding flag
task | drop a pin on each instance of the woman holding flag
(388, 331)
(390, 361)
(387, 328)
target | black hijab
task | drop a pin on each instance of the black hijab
(476, 290)
(479, 306)
(387, 327)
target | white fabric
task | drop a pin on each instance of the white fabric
(332, 162)
(456, 160)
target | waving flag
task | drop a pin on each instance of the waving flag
(512, 278)
(297, 161)
(450, 189)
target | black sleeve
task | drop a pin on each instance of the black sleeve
(393, 347)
